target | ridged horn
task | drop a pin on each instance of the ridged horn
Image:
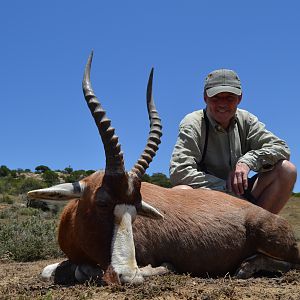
(112, 148)
(154, 134)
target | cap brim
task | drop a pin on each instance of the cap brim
(223, 89)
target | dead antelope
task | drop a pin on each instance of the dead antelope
(201, 232)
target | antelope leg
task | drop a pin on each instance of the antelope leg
(150, 271)
(261, 262)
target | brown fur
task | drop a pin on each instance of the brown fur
(203, 232)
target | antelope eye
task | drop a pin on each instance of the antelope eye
(103, 199)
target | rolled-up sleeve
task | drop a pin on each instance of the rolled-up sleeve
(264, 149)
(185, 158)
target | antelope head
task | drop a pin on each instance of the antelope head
(116, 195)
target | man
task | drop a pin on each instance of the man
(218, 146)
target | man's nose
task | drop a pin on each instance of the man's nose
(222, 103)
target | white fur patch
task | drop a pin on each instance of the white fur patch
(130, 188)
(123, 252)
(49, 271)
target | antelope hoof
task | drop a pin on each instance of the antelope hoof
(245, 271)
(150, 271)
(125, 276)
(262, 263)
(64, 273)
(49, 272)
(136, 279)
(85, 273)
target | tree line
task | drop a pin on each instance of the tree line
(47, 177)
(20, 181)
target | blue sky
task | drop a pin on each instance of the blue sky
(45, 45)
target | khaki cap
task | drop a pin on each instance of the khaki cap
(222, 80)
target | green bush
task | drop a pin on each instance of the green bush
(21, 185)
(29, 239)
(13, 173)
(42, 169)
(158, 179)
(28, 211)
(4, 171)
(6, 214)
(89, 172)
(146, 178)
(6, 185)
(6, 199)
(68, 170)
(29, 184)
(75, 176)
(50, 178)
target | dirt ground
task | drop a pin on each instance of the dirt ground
(22, 281)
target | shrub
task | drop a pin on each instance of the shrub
(8, 185)
(42, 169)
(6, 214)
(30, 239)
(28, 211)
(68, 170)
(13, 174)
(21, 185)
(160, 179)
(75, 176)
(146, 178)
(50, 178)
(4, 171)
(29, 184)
(6, 199)
(89, 172)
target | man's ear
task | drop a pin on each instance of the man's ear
(205, 96)
(240, 98)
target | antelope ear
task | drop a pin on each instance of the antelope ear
(149, 211)
(64, 191)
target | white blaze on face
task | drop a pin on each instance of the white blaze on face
(123, 252)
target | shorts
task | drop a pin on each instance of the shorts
(247, 194)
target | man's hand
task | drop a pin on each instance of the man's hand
(237, 181)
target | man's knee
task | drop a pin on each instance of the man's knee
(286, 170)
(182, 187)
(283, 174)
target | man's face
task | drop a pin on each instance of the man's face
(222, 107)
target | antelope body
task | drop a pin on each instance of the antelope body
(201, 232)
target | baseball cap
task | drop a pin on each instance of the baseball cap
(222, 80)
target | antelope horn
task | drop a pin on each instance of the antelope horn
(154, 134)
(113, 153)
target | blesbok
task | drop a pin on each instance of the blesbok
(201, 232)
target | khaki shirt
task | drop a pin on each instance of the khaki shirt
(257, 147)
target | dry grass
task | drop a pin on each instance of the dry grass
(291, 212)
(21, 281)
